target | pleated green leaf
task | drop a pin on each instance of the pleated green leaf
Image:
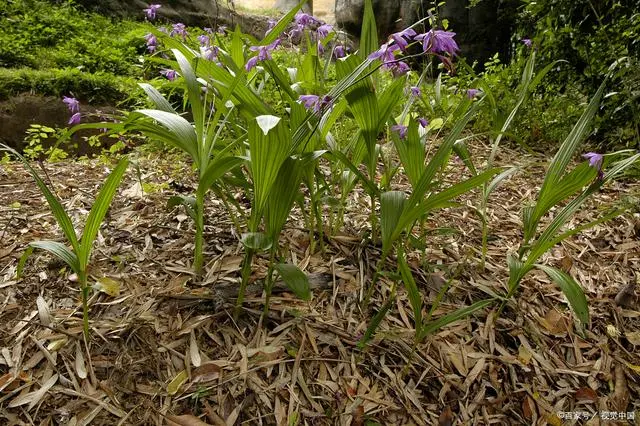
(295, 279)
(194, 93)
(282, 196)
(58, 211)
(369, 34)
(391, 208)
(175, 130)
(415, 298)
(256, 241)
(59, 250)
(375, 323)
(454, 316)
(411, 152)
(572, 291)
(156, 97)
(99, 209)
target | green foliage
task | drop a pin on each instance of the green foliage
(77, 258)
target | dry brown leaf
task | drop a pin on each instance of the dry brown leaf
(358, 415)
(185, 420)
(566, 263)
(524, 355)
(446, 417)
(626, 297)
(528, 408)
(33, 398)
(555, 322)
(207, 372)
(586, 394)
(633, 338)
(265, 353)
(196, 360)
(621, 395)
(81, 369)
(43, 311)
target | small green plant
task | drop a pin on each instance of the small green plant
(560, 185)
(36, 139)
(78, 256)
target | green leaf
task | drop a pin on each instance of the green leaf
(56, 208)
(462, 151)
(189, 204)
(415, 298)
(99, 209)
(237, 47)
(454, 316)
(391, 208)
(174, 129)
(59, 250)
(217, 168)
(572, 291)
(282, 196)
(256, 241)
(295, 279)
(369, 34)
(156, 97)
(411, 152)
(375, 323)
(269, 144)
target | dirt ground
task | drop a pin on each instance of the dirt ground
(166, 349)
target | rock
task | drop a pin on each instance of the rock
(286, 5)
(201, 13)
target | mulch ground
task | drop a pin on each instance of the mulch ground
(166, 349)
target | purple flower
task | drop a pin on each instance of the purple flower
(423, 122)
(270, 24)
(170, 74)
(264, 53)
(527, 42)
(208, 30)
(75, 118)
(222, 29)
(72, 104)
(415, 91)
(472, 93)
(595, 160)
(398, 69)
(210, 53)
(204, 40)
(314, 102)
(385, 53)
(438, 41)
(306, 20)
(401, 38)
(163, 30)
(151, 11)
(179, 29)
(152, 42)
(324, 30)
(338, 51)
(320, 48)
(400, 129)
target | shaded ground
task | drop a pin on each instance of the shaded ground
(167, 344)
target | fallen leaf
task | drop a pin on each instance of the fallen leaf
(566, 263)
(265, 353)
(185, 420)
(554, 420)
(555, 322)
(524, 355)
(33, 398)
(194, 352)
(174, 386)
(108, 286)
(633, 338)
(43, 311)
(586, 394)
(207, 372)
(626, 297)
(528, 408)
(358, 415)
(446, 417)
(81, 369)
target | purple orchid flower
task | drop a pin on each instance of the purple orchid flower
(320, 48)
(264, 53)
(415, 91)
(314, 102)
(270, 24)
(163, 30)
(339, 51)
(169, 74)
(527, 42)
(72, 103)
(222, 29)
(324, 30)
(400, 129)
(179, 29)
(595, 160)
(385, 53)
(75, 118)
(151, 11)
(208, 30)
(401, 38)
(438, 41)
(152, 42)
(472, 93)
(204, 40)
(398, 69)
(423, 122)
(210, 53)
(306, 20)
